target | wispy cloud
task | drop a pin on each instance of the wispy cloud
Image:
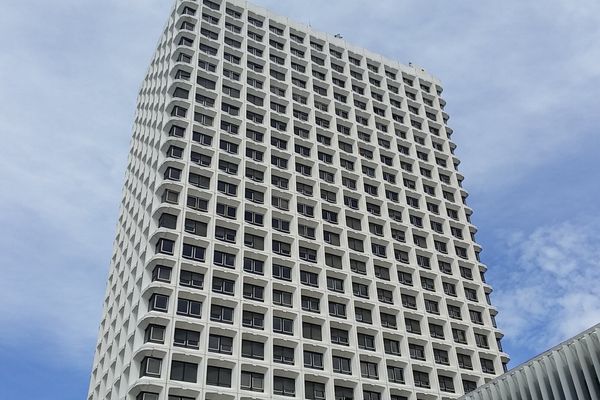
(549, 291)
(69, 74)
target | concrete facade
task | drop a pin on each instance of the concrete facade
(293, 225)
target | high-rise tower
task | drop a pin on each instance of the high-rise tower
(293, 225)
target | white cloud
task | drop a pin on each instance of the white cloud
(550, 290)
(66, 108)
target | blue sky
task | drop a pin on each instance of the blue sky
(521, 80)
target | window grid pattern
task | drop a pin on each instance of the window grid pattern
(289, 166)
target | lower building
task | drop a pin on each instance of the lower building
(568, 371)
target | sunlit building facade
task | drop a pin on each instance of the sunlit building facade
(293, 225)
